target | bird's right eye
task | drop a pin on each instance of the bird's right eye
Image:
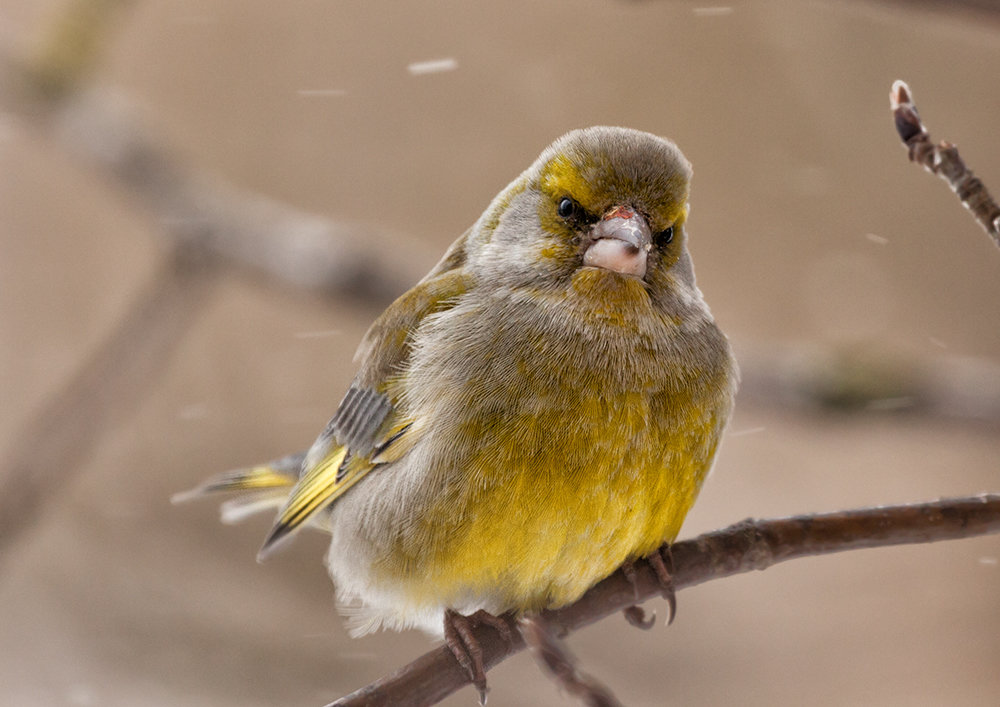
(567, 208)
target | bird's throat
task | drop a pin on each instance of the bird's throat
(608, 295)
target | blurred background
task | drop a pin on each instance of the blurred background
(861, 298)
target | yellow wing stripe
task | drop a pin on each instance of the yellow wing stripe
(258, 477)
(313, 491)
(328, 480)
(252, 479)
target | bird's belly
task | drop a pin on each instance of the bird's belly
(542, 546)
(520, 524)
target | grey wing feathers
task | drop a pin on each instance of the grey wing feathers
(357, 420)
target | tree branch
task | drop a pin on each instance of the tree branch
(205, 223)
(72, 44)
(742, 547)
(54, 444)
(943, 160)
(49, 91)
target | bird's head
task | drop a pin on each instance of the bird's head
(600, 202)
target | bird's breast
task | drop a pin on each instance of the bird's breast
(554, 445)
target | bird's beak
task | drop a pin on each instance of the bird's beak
(620, 242)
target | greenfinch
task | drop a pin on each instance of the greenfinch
(540, 409)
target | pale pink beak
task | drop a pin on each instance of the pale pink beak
(620, 242)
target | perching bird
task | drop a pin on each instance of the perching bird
(538, 410)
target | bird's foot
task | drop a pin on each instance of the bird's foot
(635, 614)
(553, 656)
(460, 637)
(662, 564)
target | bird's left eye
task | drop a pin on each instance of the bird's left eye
(665, 236)
(567, 208)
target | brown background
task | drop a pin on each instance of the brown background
(809, 230)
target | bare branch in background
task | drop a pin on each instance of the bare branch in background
(743, 547)
(943, 160)
(71, 46)
(189, 207)
(50, 449)
(867, 380)
(240, 227)
(201, 219)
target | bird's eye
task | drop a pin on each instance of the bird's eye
(567, 207)
(665, 236)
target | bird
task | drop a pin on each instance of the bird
(539, 410)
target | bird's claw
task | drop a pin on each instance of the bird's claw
(634, 614)
(662, 563)
(637, 617)
(460, 637)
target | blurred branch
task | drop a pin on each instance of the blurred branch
(239, 227)
(70, 48)
(205, 223)
(943, 160)
(52, 447)
(862, 379)
(742, 547)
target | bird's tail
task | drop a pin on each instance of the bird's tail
(260, 488)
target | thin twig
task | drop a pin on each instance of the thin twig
(745, 546)
(943, 160)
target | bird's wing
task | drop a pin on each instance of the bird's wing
(368, 430)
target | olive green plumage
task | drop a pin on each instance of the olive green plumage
(543, 406)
